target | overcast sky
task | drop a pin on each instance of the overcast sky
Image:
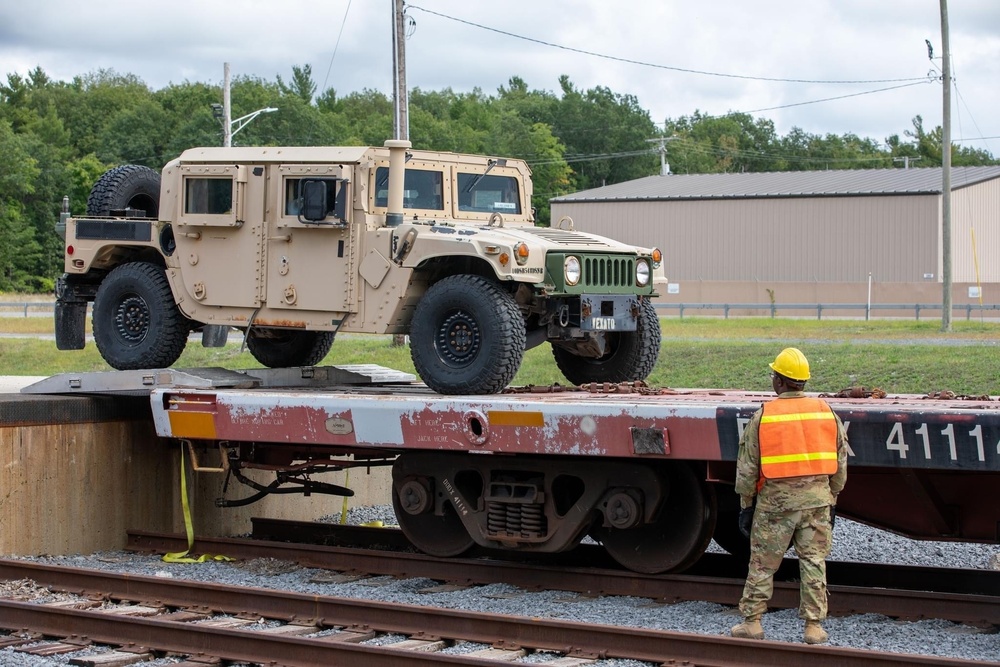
(713, 55)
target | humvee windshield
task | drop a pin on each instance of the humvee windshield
(421, 189)
(489, 193)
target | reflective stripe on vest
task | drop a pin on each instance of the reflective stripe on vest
(798, 436)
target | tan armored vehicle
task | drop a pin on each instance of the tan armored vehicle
(293, 245)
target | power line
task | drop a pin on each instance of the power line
(654, 65)
(971, 117)
(839, 97)
(335, 47)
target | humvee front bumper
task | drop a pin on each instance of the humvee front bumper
(598, 312)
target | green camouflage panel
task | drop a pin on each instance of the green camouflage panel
(809, 530)
(789, 493)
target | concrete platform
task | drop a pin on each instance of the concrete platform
(77, 471)
(11, 384)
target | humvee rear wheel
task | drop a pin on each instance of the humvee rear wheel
(631, 354)
(281, 348)
(467, 336)
(128, 186)
(136, 323)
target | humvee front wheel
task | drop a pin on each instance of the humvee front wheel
(467, 336)
(282, 348)
(631, 355)
(136, 323)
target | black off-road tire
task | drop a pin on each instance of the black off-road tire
(283, 348)
(467, 336)
(136, 322)
(128, 186)
(631, 355)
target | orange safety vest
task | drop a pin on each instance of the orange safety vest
(798, 437)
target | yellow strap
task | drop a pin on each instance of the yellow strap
(182, 556)
(807, 456)
(795, 417)
(347, 484)
(343, 511)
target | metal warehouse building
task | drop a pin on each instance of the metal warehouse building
(806, 237)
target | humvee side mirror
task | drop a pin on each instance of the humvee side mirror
(313, 196)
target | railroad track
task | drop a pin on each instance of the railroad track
(151, 616)
(904, 592)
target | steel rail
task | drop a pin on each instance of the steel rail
(226, 643)
(844, 600)
(839, 573)
(535, 633)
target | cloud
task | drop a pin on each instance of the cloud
(189, 40)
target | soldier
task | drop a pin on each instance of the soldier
(792, 464)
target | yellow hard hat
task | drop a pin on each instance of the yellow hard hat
(791, 363)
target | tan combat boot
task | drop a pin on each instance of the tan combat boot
(815, 634)
(748, 629)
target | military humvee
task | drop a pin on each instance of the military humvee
(294, 245)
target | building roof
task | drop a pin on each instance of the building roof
(836, 183)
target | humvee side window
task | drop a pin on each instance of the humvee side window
(487, 194)
(212, 196)
(293, 195)
(421, 189)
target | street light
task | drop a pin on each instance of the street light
(229, 129)
(243, 121)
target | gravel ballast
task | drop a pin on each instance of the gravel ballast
(852, 542)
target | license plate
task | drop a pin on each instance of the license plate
(603, 323)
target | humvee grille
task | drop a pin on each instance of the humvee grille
(605, 272)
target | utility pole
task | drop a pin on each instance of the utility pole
(905, 160)
(946, 173)
(401, 121)
(224, 112)
(662, 150)
(227, 108)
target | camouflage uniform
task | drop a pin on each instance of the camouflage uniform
(789, 510)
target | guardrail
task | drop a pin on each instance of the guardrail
(26, 306)
(767, 308)
(773, 308)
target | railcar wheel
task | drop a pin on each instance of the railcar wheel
(442, 536)
(678, 535)
(727, 532)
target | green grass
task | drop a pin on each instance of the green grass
(897, 356)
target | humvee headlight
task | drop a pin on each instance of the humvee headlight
(657, 257)
(571, 270)
(521, 253)
(642, 273)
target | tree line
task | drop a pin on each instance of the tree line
(58, 137)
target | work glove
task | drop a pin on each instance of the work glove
(833, 515)
(746, 521)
